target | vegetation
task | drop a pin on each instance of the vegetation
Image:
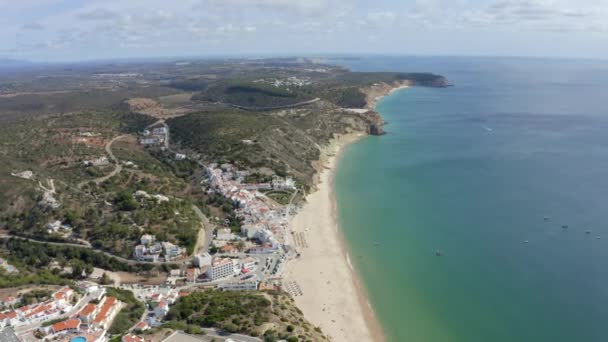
(243, 312)
(250, 94)
(53, 148)
(36, 256)
(281, 197)
(129, 315)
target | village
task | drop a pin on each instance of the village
(249, 259)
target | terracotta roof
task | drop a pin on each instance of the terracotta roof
(61, 294)
(88, 309)
(65, 325)
(2, 316)
(105, 308)
(142, 325)
(132, 338)
(38, 310)
(227, 248)
(11, 314)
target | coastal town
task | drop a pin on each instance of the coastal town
(155, 224)
(248, 259)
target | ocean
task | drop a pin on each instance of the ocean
(486, 172)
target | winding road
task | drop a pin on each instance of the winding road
(117, 167)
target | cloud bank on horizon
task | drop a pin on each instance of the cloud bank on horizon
(96, 29)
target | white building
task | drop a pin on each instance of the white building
(247, 285)
(250, 230)
(147, 239)
(221, 268)
(224, 234)
(53, 227)
(171, 251)
(162, 309)
(159, 131)
(180, 156)
(248, 263)
(201, 260)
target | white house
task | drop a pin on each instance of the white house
(147, 239)
(161, 309)
(224, 234)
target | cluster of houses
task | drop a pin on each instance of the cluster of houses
(260, 222)
(151, 250)
(8, 268)
(158, 301)
(154, 136)
(91, 322)
(59, 303)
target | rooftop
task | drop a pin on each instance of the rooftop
(67, 324)
(105, 308)
(88, 309)
(8, 335)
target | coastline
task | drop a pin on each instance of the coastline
(333, 297)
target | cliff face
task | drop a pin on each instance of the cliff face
(377, 91)
(372, 95)
(376, 124)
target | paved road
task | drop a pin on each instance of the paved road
(128, 261)
(114, 172)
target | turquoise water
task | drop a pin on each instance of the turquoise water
(78, 339)
(473, 170)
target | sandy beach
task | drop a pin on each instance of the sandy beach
(332, 297)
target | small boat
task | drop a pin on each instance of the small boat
(546, 218)
(598, 237)
(587, 231)
(565, 226)
(376, 243)
(526, 241)
(438, 252)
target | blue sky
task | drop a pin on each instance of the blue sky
(96, 29)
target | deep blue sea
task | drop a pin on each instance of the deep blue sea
(487, 172)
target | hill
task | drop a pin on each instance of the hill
(270, 315)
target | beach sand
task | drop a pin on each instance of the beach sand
(332, 297)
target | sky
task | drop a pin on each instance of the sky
(64, 30)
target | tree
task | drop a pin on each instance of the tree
(125, 201)
(88, 269)
(240, 245)
(105, 279)
(77, 268)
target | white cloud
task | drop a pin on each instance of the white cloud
(198, 25)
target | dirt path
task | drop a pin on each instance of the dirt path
(204, 234)
(114, 172)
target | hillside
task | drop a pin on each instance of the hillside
(286, 141)
(59, 186)
(270, 315)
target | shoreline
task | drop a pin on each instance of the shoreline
(332, 297)
(338, 303)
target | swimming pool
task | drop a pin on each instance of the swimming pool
(78, 339)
